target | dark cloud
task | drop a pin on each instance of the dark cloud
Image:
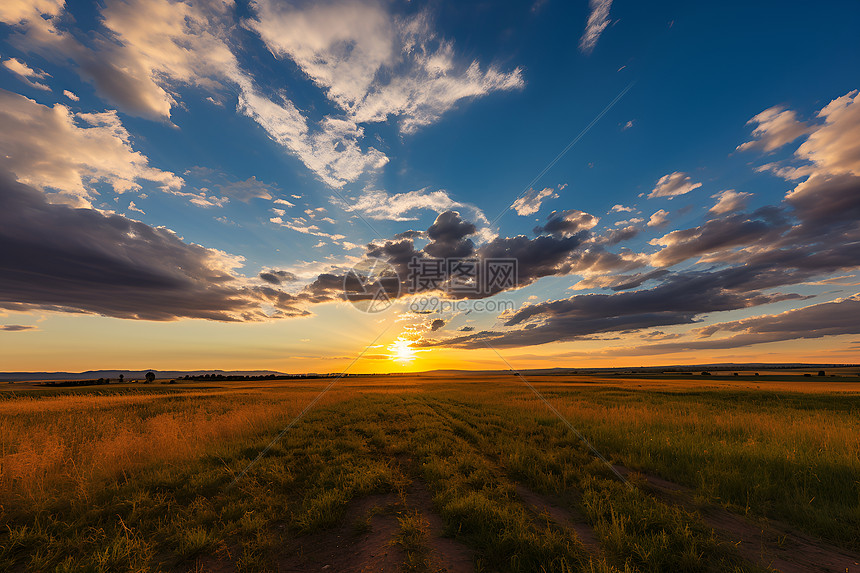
(277, 277)
(16, 327)
(615, 236)
(567, 223)
(814, 321)
(436, 324)
(448, 236)
(763, 226)
(467, 329)
(80, 260)
(681, 299)
(826, 201)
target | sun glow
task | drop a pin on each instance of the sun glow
(401, 350)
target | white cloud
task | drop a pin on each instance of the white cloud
(530, 202)
(835, 146)
(729, 201)
(26, 74)
(70, 95)
(379, 205)
(622, 209)
(659, 218)
(598, 20)
(632, 221)
(332, 153)
(672, 185)
(202, 198)
(301, 225)
(775, 127)
(133, 207)
(283, 202)
(52, 148)
(372, 64)
(628, 125)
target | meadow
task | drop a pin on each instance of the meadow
(435, 473)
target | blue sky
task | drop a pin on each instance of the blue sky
(286, 136)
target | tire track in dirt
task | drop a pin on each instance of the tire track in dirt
(546, 506)
(537, 503)
(347, 549)
(447, 555)
(771, 544)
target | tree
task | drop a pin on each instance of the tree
(121, 378)
(150, 376)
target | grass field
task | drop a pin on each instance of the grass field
(435, 473)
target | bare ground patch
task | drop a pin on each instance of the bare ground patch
(768, 543)
(361, 543)
(546, 506)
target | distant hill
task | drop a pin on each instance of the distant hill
(128, 374)
(646, 369)
(139, 374)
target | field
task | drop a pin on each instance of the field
(435, 473)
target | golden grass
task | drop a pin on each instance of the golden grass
(69, 443)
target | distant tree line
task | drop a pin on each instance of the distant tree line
(239, 377)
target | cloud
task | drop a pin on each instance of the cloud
(84, 149)
(331, 150)
(658, 219)
(615, 236)
(228, 188)
(16, 327)
(302, 225)
(598, 20)
(618, 282)
(277, 277)
(27, 74)
(815, 321)
(679, 300)
(530, 202)
(133, 207)
(628, 125)
(775, 127)
(729, 201)
(400, 207)
(436, 324)
(374, 65)
(672, 185)
(834, 147)
(622, 209)
(59, 258)
(70, 95)
(134, 62)
(718, 235)
(567, 223)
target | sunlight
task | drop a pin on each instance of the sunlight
(401, 350)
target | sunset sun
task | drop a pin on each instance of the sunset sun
(412, 285)
(402, 351)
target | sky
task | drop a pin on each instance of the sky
(188, 185)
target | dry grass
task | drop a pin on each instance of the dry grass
(67, 444)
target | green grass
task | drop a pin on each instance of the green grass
(766, 453)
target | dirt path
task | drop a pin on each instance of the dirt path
(771, 544)
(543, 505)
(447, 555)
(345, 549)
